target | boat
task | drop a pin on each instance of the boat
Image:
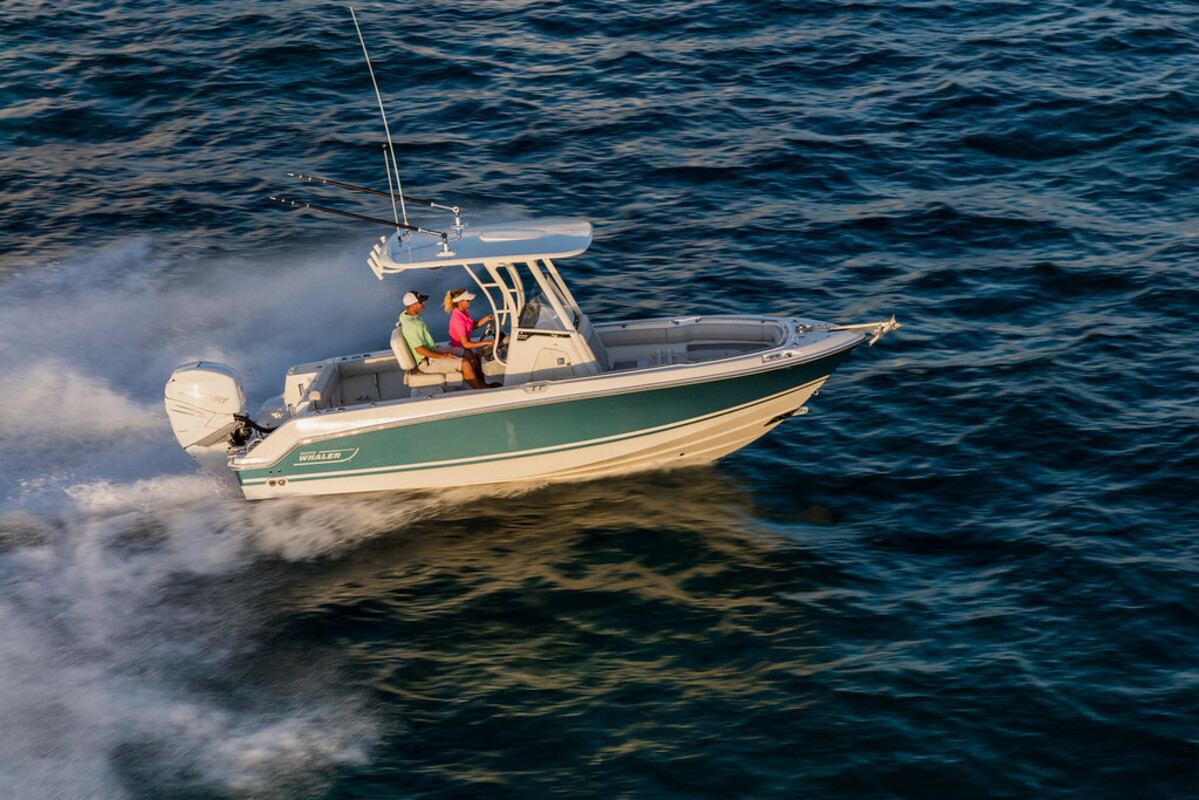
(574, 399)
(577, 399)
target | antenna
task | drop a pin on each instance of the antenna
(383, 112)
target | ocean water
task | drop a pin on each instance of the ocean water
(970, 572)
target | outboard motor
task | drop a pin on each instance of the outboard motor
(207, 408)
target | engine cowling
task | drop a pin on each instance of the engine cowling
(202, 399)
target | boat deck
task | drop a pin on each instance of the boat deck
(376, 377)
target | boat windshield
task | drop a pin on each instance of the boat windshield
(539, 314)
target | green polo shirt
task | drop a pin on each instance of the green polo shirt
(416, 334)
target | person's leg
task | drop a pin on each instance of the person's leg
(471, 375)
(455, 364)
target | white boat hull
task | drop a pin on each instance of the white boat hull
(700, 442)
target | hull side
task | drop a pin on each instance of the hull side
(568, 439)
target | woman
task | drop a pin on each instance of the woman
(457, 304)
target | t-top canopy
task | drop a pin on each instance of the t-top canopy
(519, 240)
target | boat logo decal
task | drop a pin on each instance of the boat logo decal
(326, 456)
(204, 398)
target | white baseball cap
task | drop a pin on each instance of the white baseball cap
(412, 298)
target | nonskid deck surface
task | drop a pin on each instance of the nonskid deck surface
(637, 345)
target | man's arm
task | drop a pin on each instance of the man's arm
(416, 335)
(429, 353)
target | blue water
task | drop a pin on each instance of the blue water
(970, 572)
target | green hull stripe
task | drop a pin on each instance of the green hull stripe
(553, 426)
(509, 456)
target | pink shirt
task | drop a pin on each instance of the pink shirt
(460, 327)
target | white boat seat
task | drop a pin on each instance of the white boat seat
(414, 377)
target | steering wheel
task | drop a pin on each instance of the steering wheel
(490, 331)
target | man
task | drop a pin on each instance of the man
(425, 352)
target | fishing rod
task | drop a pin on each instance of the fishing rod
(383, 113)
(452, 209)
(445, 239)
